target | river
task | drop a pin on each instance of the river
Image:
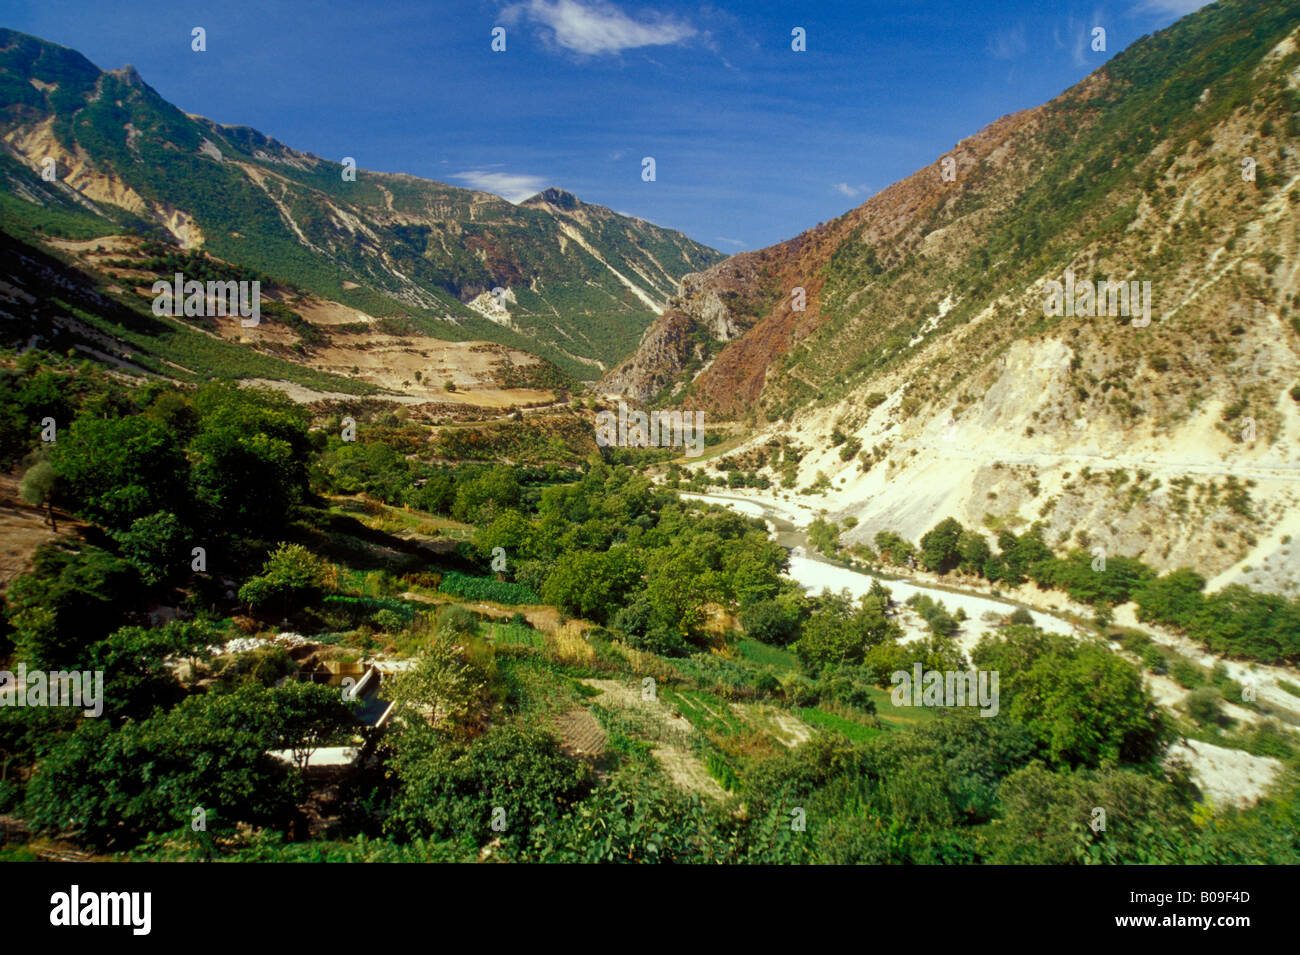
(814, 572)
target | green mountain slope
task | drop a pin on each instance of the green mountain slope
(579, 282)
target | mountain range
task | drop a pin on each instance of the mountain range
(572, 282)
(893, 366)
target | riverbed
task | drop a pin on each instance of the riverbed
(814, 573)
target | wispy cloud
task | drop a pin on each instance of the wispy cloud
(737, 243)
(596, 27)
(513, 186)
(1179, 7)
(1008, 44)
(845, 189)
(1078, 40)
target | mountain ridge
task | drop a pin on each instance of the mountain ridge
(389, 243)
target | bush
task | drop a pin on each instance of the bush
(771, 622)
(1154, 660)
(292, 576)
(154, 544)
(389, 621)
(1204, 705)
(662, 640)
(801, 691)
(454, 791)
(1022, 617)
(456, 619)
(1186, 673)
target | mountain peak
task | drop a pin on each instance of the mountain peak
(128, 74)
(554, 197)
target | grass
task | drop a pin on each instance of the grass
(516, 635)
(705, 711)
(764, 654)
(831, 722)
(897, 717)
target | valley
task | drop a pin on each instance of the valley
(625, 543)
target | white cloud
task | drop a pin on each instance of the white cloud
(725, 241)
(845, 189)
(1008, 44)
(596, 27)
(513, 186)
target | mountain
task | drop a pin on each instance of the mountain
(578, 283)
(926, 374)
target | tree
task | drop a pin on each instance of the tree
(292, 575)
(1047, 818)
(113, 470)
(592, 585)
(1083, 703)
(453, 789)
(837, 633)
(154, 544)
(135, 659)
(823, 535)
(974, 550)
(680, 582)
(249, 460)
(510, 530)
(1174, 599)
(479, 498)
(939, 547)
(37, 489)
(308, 716)
(111, 787)
(447, 684)
(894, 549)
(72, 597)
(771, 621)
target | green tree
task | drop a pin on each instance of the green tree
(249, 460)
(974, 552)
(37, 488)
(940, 552)
(291, 576)
(154, 544)
(110, 787)
(73, 596)
(1083, 703)
(515, 776)
(114, 470)
(592, 585)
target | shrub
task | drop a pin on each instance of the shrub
(662, 640)
(1186, 674)
(456, 619)
(468, 587)
(291, 576)
(1204, 705)
(1154, 660)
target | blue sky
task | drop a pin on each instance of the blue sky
(753, 142)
